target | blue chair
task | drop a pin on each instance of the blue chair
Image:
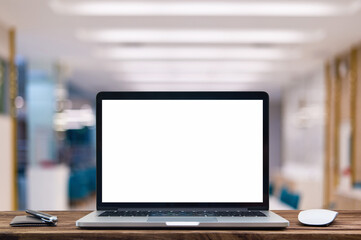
(289, 198)
(78, 185)
(357, 185)
(91, 175)
(271, 189)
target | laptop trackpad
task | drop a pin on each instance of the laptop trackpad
(182, 219)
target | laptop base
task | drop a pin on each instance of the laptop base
(93, 220)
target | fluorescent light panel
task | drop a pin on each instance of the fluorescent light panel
(283, 8)
(196, 66)
(199, 36)
(189, 86)
(197, 53)
(192, 77)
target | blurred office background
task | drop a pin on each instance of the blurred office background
(55, 55)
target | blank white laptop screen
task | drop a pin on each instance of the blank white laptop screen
(204, 151)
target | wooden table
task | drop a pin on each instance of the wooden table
(346, 226)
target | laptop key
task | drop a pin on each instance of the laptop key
(108, 214)
(183, 213)
(253, 214)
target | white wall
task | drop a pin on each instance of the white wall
(51, 194)
(303, 136)
(6, 168)
(6, 172)
(275, 123)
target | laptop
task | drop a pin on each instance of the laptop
(182, 160)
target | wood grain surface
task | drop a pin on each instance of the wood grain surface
(346, 226)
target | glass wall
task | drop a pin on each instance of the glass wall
(68, 51)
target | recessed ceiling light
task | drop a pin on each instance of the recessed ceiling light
(294, 8)
(199, 36)
(197, 53)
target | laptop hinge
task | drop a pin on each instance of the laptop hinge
(242, 209)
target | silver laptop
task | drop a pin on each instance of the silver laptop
(182, 160)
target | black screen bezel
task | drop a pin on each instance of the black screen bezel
(183, 96)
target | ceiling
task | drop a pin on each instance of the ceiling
(44, 34)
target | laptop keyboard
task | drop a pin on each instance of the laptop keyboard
(182, 214)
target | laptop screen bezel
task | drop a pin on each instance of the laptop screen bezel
(183, 96)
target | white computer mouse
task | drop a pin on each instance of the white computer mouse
(317, 217)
